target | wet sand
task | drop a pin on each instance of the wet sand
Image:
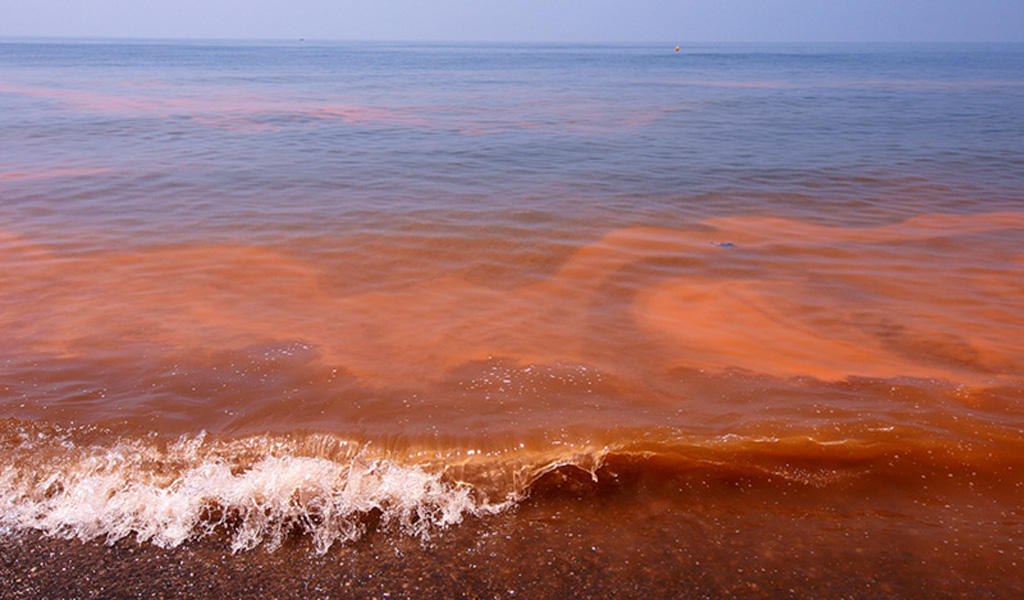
(554, 563)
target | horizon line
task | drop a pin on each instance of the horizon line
(319, 40)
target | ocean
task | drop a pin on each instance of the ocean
(352, 320)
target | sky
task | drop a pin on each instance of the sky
(673, 21)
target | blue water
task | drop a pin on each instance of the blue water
(191, 132)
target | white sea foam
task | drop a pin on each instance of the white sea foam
(168, 495)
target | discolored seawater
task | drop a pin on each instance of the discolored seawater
(562, 321)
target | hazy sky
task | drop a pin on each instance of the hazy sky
(675, 21)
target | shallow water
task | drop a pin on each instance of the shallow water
(329, 297)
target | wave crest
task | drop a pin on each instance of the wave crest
(193, 488)
(91, 483)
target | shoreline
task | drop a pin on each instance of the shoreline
(576, 551)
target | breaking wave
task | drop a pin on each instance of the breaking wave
(259, 490)
(91, 483)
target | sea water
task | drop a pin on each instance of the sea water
(432, 320)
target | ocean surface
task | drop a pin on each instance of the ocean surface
(421, 320)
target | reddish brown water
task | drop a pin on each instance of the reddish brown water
(864, 382)
(933, 300)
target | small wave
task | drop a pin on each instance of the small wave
(89, 483)
(195, 487)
